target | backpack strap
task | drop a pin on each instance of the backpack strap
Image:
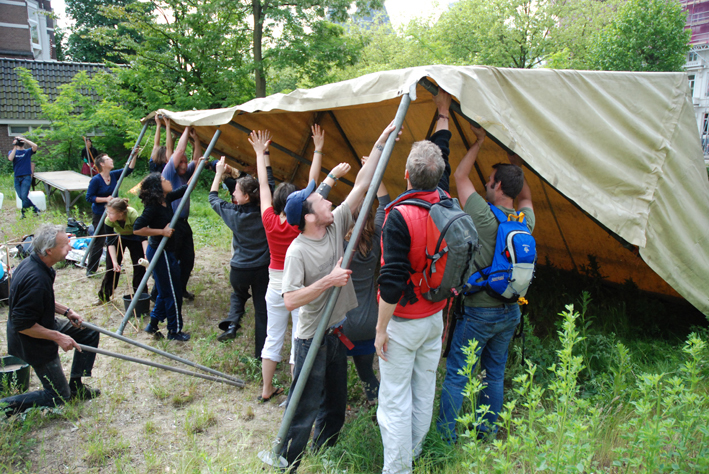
(502, 217)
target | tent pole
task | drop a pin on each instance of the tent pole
(155, 364)
(162, 353)
(115, 191)
(274, 458)
(163, 242)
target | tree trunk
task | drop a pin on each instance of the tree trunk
(259, 77)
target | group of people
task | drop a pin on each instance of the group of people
(407, 331)
(288, 247)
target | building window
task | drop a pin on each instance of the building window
(15, 130)
(691, 85)
(35, 37)
(693, 56)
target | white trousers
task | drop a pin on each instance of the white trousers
(278, 317)
(407, 389)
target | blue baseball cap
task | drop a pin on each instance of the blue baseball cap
(294, 203)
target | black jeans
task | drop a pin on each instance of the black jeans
(110, 279)
(365, 370)
(184, 251)
(97, 248)
(242, 280)
(56, 388)
(323, 401)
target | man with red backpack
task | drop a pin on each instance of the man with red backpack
(489, 318)
(409, 327)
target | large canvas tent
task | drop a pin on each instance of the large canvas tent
(616, 164)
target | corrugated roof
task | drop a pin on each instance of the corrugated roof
(16, 102)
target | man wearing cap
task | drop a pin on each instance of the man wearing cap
(312, 266)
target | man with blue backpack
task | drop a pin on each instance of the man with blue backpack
(503, 270)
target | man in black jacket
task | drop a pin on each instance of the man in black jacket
(34, 333)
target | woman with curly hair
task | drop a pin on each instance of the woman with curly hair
(157, 195)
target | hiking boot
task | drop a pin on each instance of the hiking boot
(178, 336)
(79, 391)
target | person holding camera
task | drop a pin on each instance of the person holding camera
(21, 158)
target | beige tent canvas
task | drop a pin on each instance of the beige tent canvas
(613, 158)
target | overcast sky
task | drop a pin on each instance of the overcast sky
(400, 11)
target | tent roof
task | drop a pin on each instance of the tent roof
(617, 167)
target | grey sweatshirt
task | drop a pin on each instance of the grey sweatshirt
(249, 237)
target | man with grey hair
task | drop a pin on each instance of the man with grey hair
(34, 333)
(409, 327)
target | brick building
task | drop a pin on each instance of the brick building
(696, 66)
(27, 30)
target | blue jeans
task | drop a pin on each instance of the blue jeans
(22, 188)
(493, 328)
(167, 277)
(323, 401)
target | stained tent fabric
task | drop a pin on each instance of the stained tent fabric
(613, 158)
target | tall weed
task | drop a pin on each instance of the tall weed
(655, 422)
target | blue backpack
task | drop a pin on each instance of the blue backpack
(512, 268)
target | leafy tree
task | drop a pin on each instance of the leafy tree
(190, 55)
(383, 48)
(88, 16)
(75, 113)
(302, 35)
(507, 33)
(644, 35)
(59, 43)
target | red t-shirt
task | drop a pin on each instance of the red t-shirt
(279, 235)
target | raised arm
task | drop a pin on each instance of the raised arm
(382, 190)
(181, 147)
(319, 140)
(196, 146)
(365, 175)
(131, 164)
(462, 173)
(219, 172)
(168, 137)
(260, 140)
(156, 140)
(443, 103)
(524, 198)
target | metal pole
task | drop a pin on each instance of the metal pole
(163, 242)
(93, 327)
(275, 458)
(115, 191)
(155, 364)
